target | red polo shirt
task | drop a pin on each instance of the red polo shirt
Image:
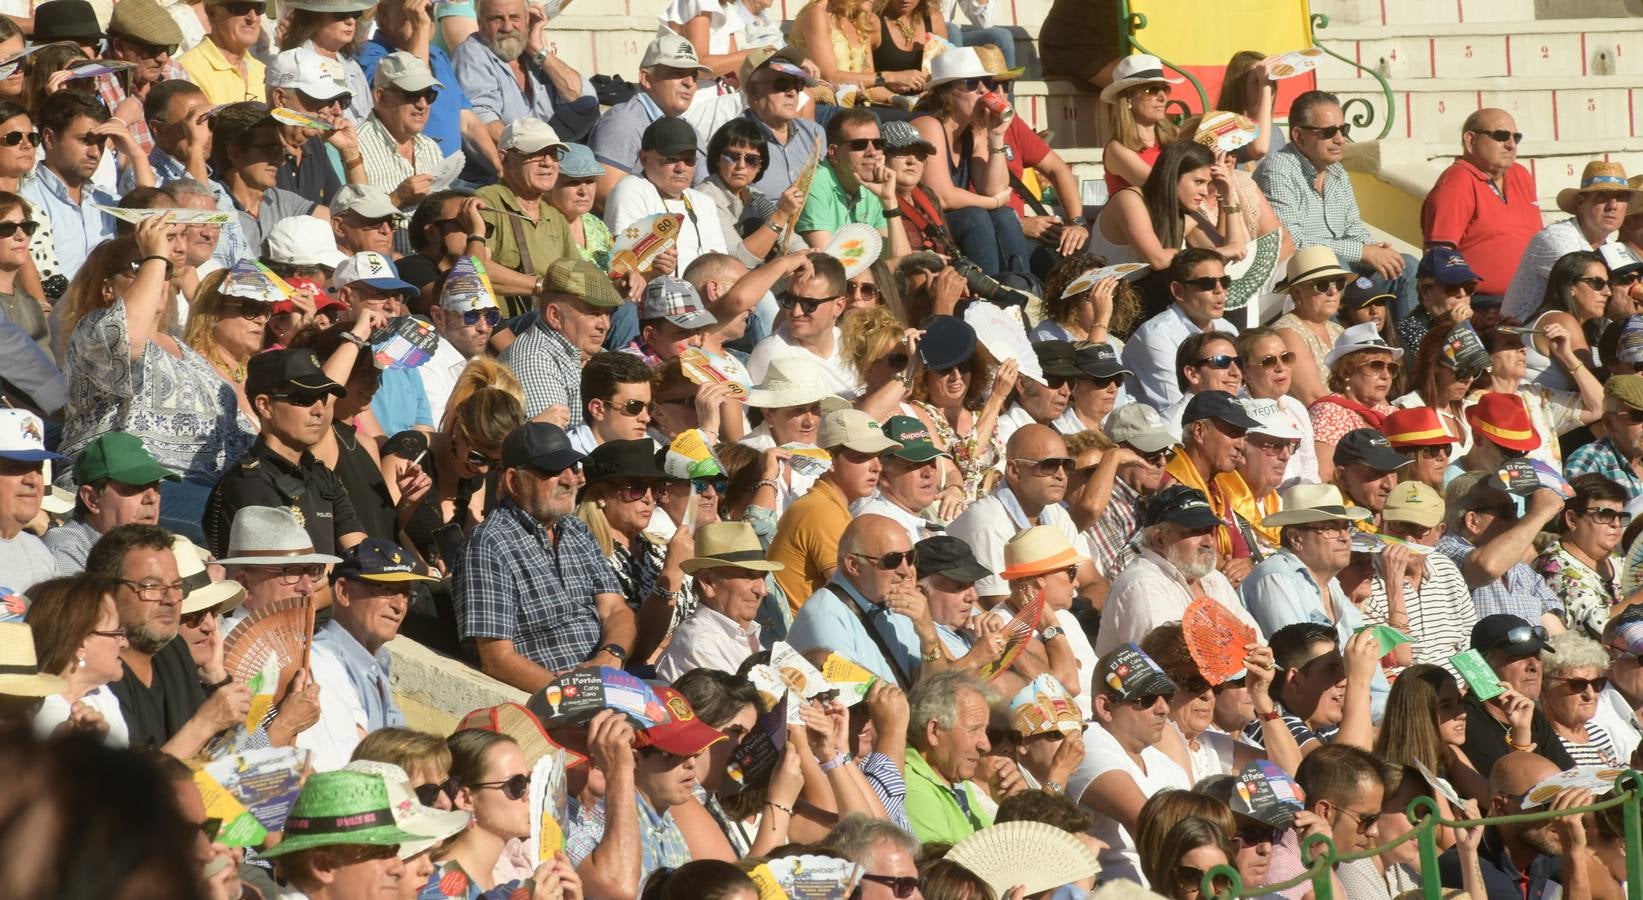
(1024, 149)
(1464, 210)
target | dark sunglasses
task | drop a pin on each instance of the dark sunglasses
(1595, 282)
(1625, 279)
(1208, 282)
(751, 160)
(1606, 516)
(633, 493)
(1464, 289)
(1328, 132)
(1221, 361)
(898, 360)
(342, 100)
(630, 409)
(808, 305)
(302, 399)
(701, 485)
(1271, 360)
(1520, 635)
(428, 794)
(1057, 382)
(860, 144)
(249, 309)
(1381, 365)
(1582, 685)
(1501, 135)
(891, 561)
(783, 85)
(1159, 458)
(13, 138)
(344, 15)
(1194, 876)
(1436, 450)
(1145, 701)
(1252, 835)
(901, 886)
(29, 226)
(1049, 465)
(1107, 382)
(426, 95)
(513, 788)
(195, 619)
(492, 317)
(977, 84)
(132, 267)
(240, 9)
(1327, 286)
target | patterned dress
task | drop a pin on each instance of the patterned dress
(1587, 593)
(974, 461)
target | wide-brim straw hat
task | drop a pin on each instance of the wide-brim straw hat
(993, 59)
(1135, 70)
(1600, 177)
(790, 381)
(270, 536)
(1310, 264)
(728, 545)
(20, 674)
(1039, 550)
(200, 593)
(1306, 503)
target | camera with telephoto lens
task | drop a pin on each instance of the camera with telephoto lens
(984, 286)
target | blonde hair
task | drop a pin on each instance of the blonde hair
(594, 517)
(867, 335)
(204, 312)
(1126, 131)
(1082, 442)
(481, 373)
(413, 751)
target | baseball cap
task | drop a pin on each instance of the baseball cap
(530, 135)
(1099, 361)
(1271, 419)
(371, 269)
(582, 279)
(375, 559)
(914, 437)
(668, 135)
(1370, 447)
(1509, 633)
(855, 430)
(1129, 672)
(1179, 505)
(119, 456)
(303, 69)
(1361, 292)
(681, 733)
(674, 299)
(948, 341)
(404, 71)
(302, 241)
(1217, 405)
(1413, 501)
(23, 437)
(1141, 427)
(672, 50)
(367, 201)
(288, 371)
(1056, 358)
(578, 162)
(1619, 258)
(785, 60)
(949, 556)
(1446, 265)
(540, 445)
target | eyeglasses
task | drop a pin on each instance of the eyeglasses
(471, 317)
(1581, 685)
(513, 788)
(1464, 289)
(1522, 634)
(481, 461)
(1327, 286)
(864, 289)
(1501, 135)
(1606, 516)
(13, 138)
(892, 560)
(1208, 282)
(635, 491)
(428, 794)
(133, 266)
(1365, 821)
(751, 160)
(1047, 466)
(154, 592)
(294, 573)
(808, 305)
(116, 633)
(1221, 361)
(860, 144)
(557, 153)
(977, 84)
(1436, 451)
(1192, 876)
(702, 485)
(1158, 458)
(1273, 446)
(1595, 282)
(1328, 132)
(630, 409)
(1378, 366)
(196, 619)
(1621, 654)
(28, 226)
(1272, 360)
(249, 309)
(901, 886)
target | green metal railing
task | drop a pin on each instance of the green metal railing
(1358, 111)
(1423, 815)
(1131, 22)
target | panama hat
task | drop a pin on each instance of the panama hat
(1305, 503)
(200, 593)
(790, 381)
(341, 808)
(1311, 264)
(956, 64)
(270, 536)
(1362, 336)
(1135, 70)
(1599, 176)
(1039, 550)
(20, 674)
(728, 545)
(434, 825)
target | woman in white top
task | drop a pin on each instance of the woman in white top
(1269, 368)
(1150, 223)
(1577, 290)
(333, 31)
(77, 635)
(718, 29)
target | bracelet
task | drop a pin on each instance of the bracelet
(164, 259)
(1519, 747)
(772, 483)
(1577, 368)
(357, 160)
(775, 227)
(476, 237)
(1053, 787)
(1271, 715)
(835, 762)
(220, 684)
(785, 809)
(356, 340)
(893, 213)
(541, 280)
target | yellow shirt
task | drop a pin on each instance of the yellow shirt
(218, 78)
(807, 541)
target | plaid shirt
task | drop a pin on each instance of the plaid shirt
(1520, 591)
(1604, 458)
(515, 582)
(112, 94)
(1112, 536)
(1331, 218)
(661, 843)
(549, 368)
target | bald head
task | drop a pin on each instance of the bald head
(1515, 773)
(1031, 472)
(1035, 442)
(862, 548)
(1480, 141)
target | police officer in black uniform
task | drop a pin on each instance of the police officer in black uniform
(289, 391)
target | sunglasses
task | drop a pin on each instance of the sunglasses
(1158, 458)
(1328, 132)
(892, 560)
(1522, 634)
(1049, 465)
(247, 309)
(315, 103)
(132, 267)
(751, 160)
(240, 9)
(1221, 361)
(633, 493)
(1606, 516)
(1364, 821)
(977, 84)
(426, 95)
(864, 289)
(300, 399)
(1501, 135)
(481, 461)
(1379, 366)
(860, 144)
(513, 788)
(1208, 282)
(13, 138)
(428, 794)
(1595, 282)
(1273, 446)
(492, 317)
(900, 886)
(29, 226)
(1252, 835)
(1625, 279)
(1464, 289)
(1192, 876)
(630, 409)
(1109, 381)
(1145, 701)
(807, 305)
(1436, 451)
(783, 85)
(1327, 286)
(196, 619)
(898, 360)
(1576, 685)
(1273, 360)
(702, 485)
(1057, 382)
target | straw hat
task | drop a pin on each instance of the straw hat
(270, 536)
(728, 545)
(200, 593)
(20, 674)
(1305, 503)
(341, 809)
(790, 381)
(1135, 70)
(1310, 264)
(1600, 177)
(1039, 550)
(1362, 336)
(434, 825)
(992, 58)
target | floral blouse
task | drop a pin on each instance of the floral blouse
(598, 241)
(185, 414)
(1586, 593)
(973, 460)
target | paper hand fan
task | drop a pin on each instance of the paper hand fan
(1597, 779)
(755, 759)
(445, 174)
(1004, 337)
(1037, 855)
(1215, 638)
(857, 246)
(405, 343)
(849, 678)
(300, 119)
(1089, 279)
(282, 628)
(1293, 63)
(807, 878)
(100, 67)
(265, 780)
(1225, 131)
(808, 461)
(251, 280)
(689, 456)
(698, 366)
(549, 798)
(1017, 633)
(635, 247)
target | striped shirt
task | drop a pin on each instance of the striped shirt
(1597, 751)
(1441, 614)
(1298, 729)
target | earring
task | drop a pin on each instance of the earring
(600, 504)
(82, 659)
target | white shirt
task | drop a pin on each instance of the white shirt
(836, 374)
(918, 527)
(1013, 418)
(1103, 754)
(634, 197)
(439, 375)
(1149, 592)
(1303, 463)
(1213, 756)
(707, 639)
(1615, 716)
(1077, 641)
(1150, 354)
(342, 720)
(794, 484)
(989, 523)
(54, 711)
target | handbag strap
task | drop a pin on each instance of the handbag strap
(905, 681)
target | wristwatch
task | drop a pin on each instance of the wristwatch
(616, 650)
(356, 340)
(1053, 787)
(1051, 633)
(1080, 221)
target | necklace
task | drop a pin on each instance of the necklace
(906, 27)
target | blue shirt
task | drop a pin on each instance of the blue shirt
(661, 843)
(828, 620)
(445, 115)
(231, 243)
(789, 159)
(368, 673)
(401, 403)
(615, 138)
(1281, 591)
(495, 95)
(75, 227)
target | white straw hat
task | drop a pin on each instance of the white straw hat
(790, 381)
(270, 536)
(20, 674)
(200, 593)
(1131, 71)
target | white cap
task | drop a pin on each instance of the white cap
(669, 49)
(1273, 422)
(302, 69)
(529, 135)
(364, 200)
(372, 269)
(302, 241)
(23, 437)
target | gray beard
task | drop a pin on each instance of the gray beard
(1191, 569)
(147, 642)
(507, 47)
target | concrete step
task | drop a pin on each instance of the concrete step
(1571, 48)
(1423, 12)
(1433, 109)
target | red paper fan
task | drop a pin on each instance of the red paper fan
(1215, 638)
(1017, 632)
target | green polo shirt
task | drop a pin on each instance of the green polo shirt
(933, 809)
(547, 240)
(828, 208)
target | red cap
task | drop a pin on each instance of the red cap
(681, 734)
(519, 723)
(1504, 420)
(1416, 427)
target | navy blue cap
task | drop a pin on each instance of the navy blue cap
(948, 341)
(540, 445)
(1446, 265)
(1363, 291)
(375, 559)
(1179, 505)
(1217, 405)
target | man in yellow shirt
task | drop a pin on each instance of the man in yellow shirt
(222, 64)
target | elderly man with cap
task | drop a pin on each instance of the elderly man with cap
(661, 183)
(672, 318)
(509, 70)
(668, 74)
(1213, 430)
(302, 80)
(1412, 589)
(807, 540)
(1513, 720)
(911, 479)
(526, 244)
(774, 82)
(372, 589)
(577, 300)
(1176, 565)
(364, 219)
(1445, 284)
(1268, 448)
(1488, 535)
(143, 35)
(244, 138)
(947, 575)
(342, 839)
(23, 455)
(1036, 471)
(1618, 455)
(533, 591)
(116, 482)
(399, 158)
(729, 569)
(289, 391)
(813, 299)
(1044, 402)
(1366, 468)
(223, 64)
(369, 284)
(1298, 583)
(946, 740)
(1596, 209)
(1138, 429)
(1418, 432)
(1150, 352)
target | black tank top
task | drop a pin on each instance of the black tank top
(887, 57)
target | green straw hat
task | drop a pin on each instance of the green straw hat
(341, 808)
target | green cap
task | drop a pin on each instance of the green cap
(1628, 389)
(121, 457)
(583, 279)
(341, 808)
(914, 437)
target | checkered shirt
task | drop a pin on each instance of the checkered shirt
(515, 582)
(1520, 591)
(1331, 218)
(550, 370)
(112, 94)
